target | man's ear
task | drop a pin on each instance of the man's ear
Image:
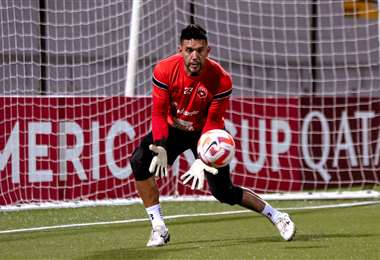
(179, 48)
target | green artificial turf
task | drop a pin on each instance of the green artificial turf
(340, 233)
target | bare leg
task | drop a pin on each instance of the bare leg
(252, 201)
(281, 220)
(148, 191)
(149, 194)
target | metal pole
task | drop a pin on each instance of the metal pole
(313, 44)
(192, 12)
(133, 49)
(43, 66)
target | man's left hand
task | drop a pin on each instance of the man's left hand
(196, 172)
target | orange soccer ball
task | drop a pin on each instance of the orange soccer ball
(216, 148)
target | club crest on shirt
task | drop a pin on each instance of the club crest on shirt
(202, 92)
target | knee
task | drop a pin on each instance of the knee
(139, 166)
(231, 195)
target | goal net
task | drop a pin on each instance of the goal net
(305, 110)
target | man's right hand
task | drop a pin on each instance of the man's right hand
(159, 164)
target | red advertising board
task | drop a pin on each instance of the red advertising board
(70, 148)
(341, 141)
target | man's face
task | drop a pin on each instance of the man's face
(194, 53)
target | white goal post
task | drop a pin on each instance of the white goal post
(76, 89)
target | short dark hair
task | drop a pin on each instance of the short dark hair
(193, 31)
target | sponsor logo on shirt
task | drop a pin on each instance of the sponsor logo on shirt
(182, 111)
(183, 124)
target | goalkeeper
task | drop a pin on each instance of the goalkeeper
(190, 96)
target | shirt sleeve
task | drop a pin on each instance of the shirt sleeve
(219, 105)
(160, 96)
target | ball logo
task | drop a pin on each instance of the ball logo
(211, 148)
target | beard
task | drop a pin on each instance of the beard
(194, 69)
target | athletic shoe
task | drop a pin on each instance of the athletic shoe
(286, 226)
(159, 237)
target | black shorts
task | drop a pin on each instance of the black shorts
(178, 141)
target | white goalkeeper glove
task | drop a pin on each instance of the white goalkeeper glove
(196, 172)
(159, 163)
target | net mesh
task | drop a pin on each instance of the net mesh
(304, 111)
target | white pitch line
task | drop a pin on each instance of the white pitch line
(45, 228)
